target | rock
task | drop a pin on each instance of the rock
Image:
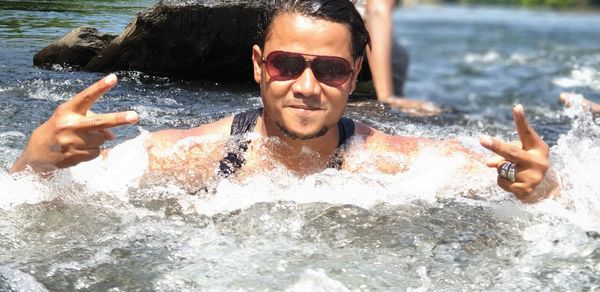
(188, 39)
(75, 49)
(593, 234)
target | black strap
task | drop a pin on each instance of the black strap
(245, 122)
(346, 129)
(237, 144)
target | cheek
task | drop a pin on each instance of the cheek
(337, 97)
(276, 90)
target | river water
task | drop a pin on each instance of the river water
(94, 228)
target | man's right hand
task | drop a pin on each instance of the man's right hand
(73, 134)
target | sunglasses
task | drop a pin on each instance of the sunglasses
(329, 70)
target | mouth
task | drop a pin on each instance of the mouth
(303, 107)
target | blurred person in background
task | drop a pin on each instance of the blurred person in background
(388, 59)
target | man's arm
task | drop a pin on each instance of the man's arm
(534, 181)
(73, 134)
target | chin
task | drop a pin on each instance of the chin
(303, 135)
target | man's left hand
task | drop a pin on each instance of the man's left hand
(530, 160)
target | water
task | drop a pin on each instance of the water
(99, 228)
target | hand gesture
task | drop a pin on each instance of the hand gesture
(520, 168)
(73, 134)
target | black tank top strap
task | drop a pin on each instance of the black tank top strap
(246, 121)
(346, 130)
(237, 144)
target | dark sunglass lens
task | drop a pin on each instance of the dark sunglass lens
(331, 71)
(284, 66)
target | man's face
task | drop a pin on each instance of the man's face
(304, 107)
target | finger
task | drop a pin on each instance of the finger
(529, 138)
(509, 186)
(81, 140)
(521, 190)
(108, 134)
(495, 161)
(509, 151)
(84, 100)
(92, 139)
(79, 156)
(103, 121)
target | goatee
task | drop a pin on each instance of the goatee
(297, 136)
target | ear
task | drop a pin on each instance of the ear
(357, 66)
(257, 63)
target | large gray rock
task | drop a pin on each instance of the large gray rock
(188, 39)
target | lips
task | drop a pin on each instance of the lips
(305, 107)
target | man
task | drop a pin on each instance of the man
(306, 63)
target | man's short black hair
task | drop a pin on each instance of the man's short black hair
(339, 11)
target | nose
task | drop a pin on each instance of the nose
(307, 85)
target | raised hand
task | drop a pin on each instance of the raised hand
(73, 134)
(530, 160)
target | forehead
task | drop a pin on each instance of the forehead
(297, 33)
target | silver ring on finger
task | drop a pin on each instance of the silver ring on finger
(508, 170)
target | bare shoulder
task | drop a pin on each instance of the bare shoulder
(379, 141)
(395, 153)
(165, 139)
(376, 140)
(170, 151)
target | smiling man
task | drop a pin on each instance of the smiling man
(306, 62)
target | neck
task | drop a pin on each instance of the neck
(300, 155)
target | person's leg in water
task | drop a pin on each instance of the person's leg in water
(388, 60)
(400, 62)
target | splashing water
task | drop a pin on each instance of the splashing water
(101, 226)
(331, 230)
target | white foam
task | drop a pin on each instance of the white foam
(317, 281)
(487, 58)
(20, 281)
(51, 90)
(577, 155)
(580, 77)
(23, 188)
(432, 175)
(121, 170)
